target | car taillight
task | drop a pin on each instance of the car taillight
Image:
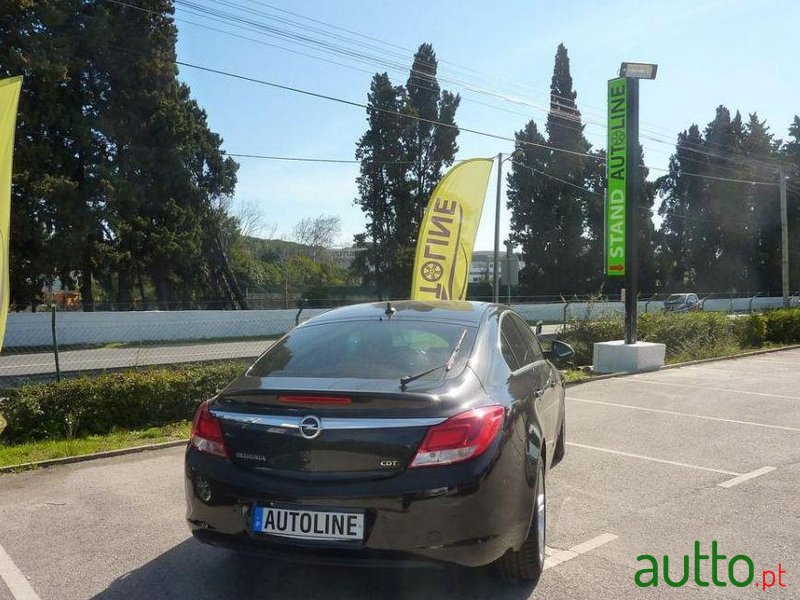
(459, 438)
(207, 432)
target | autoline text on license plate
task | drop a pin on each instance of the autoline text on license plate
(308, 524)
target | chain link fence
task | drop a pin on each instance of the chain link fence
(43, 346)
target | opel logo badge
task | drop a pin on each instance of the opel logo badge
(310, 427)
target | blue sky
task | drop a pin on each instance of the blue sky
(743, 54)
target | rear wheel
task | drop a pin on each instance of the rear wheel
(527, 563)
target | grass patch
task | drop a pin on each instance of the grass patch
(575, 375)
(17, 454)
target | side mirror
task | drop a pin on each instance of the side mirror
(539, 327)
(561, 350)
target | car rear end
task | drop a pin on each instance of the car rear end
(328, 468)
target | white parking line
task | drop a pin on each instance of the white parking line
(14, 579)
(746, 477)
(683, 414)
(703, 370)
(556, 557)
(652, 459)
(697, 387)
(773, 361)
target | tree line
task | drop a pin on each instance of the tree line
(715, 235)
(122, 191)
(120, 188)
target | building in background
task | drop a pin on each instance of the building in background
(482, 267)
(343, 257)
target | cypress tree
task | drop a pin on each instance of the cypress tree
(394, 197)
(555, 221)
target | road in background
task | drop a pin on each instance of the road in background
(116, 358)
(15, 368)
(654, 462)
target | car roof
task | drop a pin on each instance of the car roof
(451, 311)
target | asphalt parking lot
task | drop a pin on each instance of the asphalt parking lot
(655, 462)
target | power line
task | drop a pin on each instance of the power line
(321, 96)
(681, 172)
(327, 160)
(576, 118)
(418, 118)
(207, 12)
(357, 55)
(565, 182)
(303, 159)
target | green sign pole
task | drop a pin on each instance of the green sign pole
(624, 177)
(617, 176)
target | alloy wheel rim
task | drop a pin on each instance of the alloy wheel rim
(541, 515)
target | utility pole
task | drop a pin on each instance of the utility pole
(496, 279)
(509, 254)
(784, 239)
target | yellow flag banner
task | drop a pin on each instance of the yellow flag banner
(447, 234)
(9, 98)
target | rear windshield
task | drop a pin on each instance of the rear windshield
(367, 350)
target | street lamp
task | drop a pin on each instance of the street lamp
(638, 70)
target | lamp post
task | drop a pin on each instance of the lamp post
(624, 183)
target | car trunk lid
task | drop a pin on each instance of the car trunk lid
(338, 430)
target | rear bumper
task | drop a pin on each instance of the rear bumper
(313, 555)
(468, 514)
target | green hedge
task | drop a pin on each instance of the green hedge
(782, 326)
(123, 400)
(690, 336)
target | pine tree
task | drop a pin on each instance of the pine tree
(680, 203)
(394, 196)
(568, 261)
(762, 205)
(718, 232)
(171, 177)
(57, 205)
(790, 153)
(118, 181)
(382, 187)
(550, 210)
(529, 214)
(647, 260)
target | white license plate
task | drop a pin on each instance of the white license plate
(308, 524)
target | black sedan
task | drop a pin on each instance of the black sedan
(386, 434)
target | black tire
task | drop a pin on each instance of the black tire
(527, 563)
(561, 443)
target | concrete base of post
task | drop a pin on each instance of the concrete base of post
(619, 357)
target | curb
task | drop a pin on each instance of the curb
(84, 457)
(688, 363)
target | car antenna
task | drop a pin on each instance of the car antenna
(390, 310)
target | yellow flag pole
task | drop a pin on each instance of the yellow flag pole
(9, 99)
(448, 230)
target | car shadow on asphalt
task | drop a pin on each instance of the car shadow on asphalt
(193, 570)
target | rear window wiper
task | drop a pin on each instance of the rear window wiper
(405, 380)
